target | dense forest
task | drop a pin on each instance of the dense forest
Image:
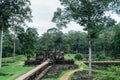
(106, 43)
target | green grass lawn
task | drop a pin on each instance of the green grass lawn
(72, 57)
(14, 69)
(69, 56)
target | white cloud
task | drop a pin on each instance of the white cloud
(73, 26)
(116, 17)
(42, 26)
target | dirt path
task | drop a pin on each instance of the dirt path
(67, 75)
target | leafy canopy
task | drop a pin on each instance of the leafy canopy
(88, 13)
(14, 8)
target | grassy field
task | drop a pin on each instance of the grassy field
(72, 57)
(13, 69)
(69, 56)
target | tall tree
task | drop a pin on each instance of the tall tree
(9, 8)
(28, 39)
(57, 37)
(31, 36)
(77, 40)
(7, 44)
(46, 42)
(87, 13)
(20, 32)
(116, 42)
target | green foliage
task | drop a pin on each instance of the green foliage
(76, 41)
(104, 41)
(71, 41)
(46, 42)
(100, 56)
(78, 56)
(28, 40)
(31, 36)
(7, 44)
(69, 56)
(51, 40)
(114, 75)
(12, 13)
(9, 8)
(116, 42)
(57, 38)
(20, 32)
(87, 13)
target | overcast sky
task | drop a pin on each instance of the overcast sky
(43, 10)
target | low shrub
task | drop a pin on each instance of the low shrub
(79, 56)
(99, 56)
(114, 74)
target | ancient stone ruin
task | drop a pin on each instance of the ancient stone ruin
(55, 58)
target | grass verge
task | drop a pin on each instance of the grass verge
(13, 69)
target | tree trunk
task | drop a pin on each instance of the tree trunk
(1, 38)
(14, 46)
(90, 58)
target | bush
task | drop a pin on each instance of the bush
(99, 56)
(78, 56)
(109, 58)
(113, 75)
